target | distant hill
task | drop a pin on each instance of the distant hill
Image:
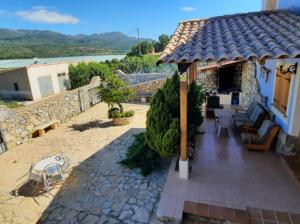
(44, 43)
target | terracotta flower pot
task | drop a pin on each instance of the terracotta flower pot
(122, 121)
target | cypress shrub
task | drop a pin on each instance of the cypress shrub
(196, 96)
(139, 155)
(163, 125)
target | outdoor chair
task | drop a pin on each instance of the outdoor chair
(262, 140)
(254, 121)
(223, 122)
(52, 174)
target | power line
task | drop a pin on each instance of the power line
(138, 32)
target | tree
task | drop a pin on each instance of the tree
(163, 40)
(115, 91)
(82, 73)
(146, 48)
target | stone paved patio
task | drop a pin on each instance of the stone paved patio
(98, 190)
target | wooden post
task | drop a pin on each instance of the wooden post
(183, 117)
(192, 72)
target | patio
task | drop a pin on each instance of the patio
(225, 174)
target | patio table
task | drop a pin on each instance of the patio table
(38, 171)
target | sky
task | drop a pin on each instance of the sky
(152, 17)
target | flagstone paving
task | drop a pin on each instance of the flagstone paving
(98, 189)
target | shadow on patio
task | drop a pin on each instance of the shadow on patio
(225, 174)
(100, 190)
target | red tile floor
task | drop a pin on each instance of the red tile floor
(225, 174)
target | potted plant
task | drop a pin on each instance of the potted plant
(114, 91)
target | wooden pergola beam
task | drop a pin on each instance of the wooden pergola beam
(192, 72)
(183, 117)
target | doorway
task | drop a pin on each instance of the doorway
(2, 146)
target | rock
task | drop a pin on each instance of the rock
(91, 219)
(141, 215)
(144, 187)
(132, 201)
(125, 214)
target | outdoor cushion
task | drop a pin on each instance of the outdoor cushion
(240, 124)
(265, 128)
(256, 113)
(242, 118)
(248, 112)
(255, 139)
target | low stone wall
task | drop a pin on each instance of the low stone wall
(132, 79)
(147, 89)
(18, 125)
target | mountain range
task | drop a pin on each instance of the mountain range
(44, 43)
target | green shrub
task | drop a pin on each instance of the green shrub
(196, 97)
(139, 155)
(114, 91)
(82, 73)
(162, 125)
(115, 113)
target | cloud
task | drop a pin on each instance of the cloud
(2, 12)
(188, 9)
(41, 14)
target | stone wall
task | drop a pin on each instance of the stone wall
(208, 79)
(132, 79)
(18, 125)
(250, 87)
(147, 89)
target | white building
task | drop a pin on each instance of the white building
(34, 82)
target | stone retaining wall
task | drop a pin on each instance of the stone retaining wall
(18, 125)
(147, 89)
(133, 79)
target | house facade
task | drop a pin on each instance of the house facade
(34, 82)
(255, 56)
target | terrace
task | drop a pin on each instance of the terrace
(224, 173)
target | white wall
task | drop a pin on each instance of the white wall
(7, 88)
(36, 71)
(291, 123)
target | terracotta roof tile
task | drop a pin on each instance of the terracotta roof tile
(260, 35)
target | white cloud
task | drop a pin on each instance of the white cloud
(41, 14)
(188, 9)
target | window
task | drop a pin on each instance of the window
(16, 86)
(282, 88)
(61, 74)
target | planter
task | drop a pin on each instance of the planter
(122, 121)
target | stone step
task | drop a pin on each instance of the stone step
(275, 217)
(215, 213)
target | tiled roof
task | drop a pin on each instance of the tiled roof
(256, 35)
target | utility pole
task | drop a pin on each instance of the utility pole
(138, 32)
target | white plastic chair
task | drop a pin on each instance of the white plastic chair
(223, 123)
